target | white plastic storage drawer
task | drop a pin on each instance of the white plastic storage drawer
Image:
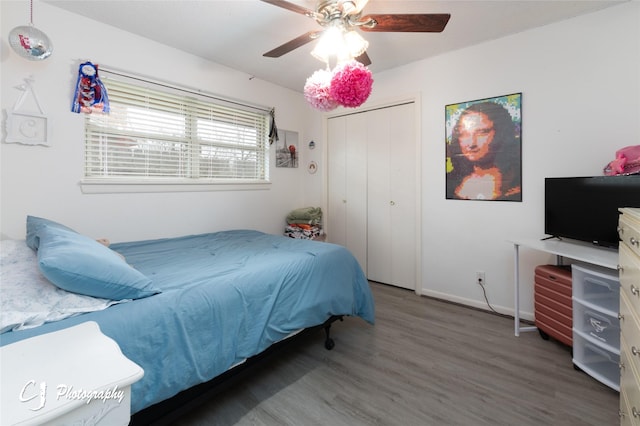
(598, 325)
(598, 362)
(598, 286)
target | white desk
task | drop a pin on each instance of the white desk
(582, 252)
(73, 376)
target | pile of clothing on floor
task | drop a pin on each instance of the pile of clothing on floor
(305, 223)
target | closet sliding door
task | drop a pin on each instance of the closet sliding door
(373, 192)
(347, 184)
(392, 196)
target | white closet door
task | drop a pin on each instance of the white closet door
(379, 198)
(392, 196)
(347, 184)
(336, 181)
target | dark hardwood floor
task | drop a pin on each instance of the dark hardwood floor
(425, 362)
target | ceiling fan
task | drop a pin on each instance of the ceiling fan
(347, 15)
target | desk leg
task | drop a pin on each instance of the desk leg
(516, 285)
(516, 281)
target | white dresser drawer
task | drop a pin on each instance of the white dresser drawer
(629, 389)
(629, 229)
(626, 417)
(630, 329)
(630, 276)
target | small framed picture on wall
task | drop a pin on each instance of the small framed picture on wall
(484, 149)
(287, 149)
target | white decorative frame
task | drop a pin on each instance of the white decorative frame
(28, 129)
(25, 127)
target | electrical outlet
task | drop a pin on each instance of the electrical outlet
(480, 278)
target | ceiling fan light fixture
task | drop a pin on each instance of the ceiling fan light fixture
(352, 6)
(356, 44)
(337, 43)
(330, 44)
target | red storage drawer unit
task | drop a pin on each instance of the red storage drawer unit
(552, 302)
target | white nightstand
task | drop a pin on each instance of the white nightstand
(72, 376)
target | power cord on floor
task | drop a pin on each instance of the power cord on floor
(486, 299)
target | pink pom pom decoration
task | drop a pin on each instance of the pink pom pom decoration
(351, 84)
(316, 91)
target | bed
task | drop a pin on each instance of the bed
(205, 303)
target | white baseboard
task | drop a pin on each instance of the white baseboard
(476, 304)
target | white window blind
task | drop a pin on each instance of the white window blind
(156, 133)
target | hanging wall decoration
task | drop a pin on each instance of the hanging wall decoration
(483, 145)
(27, 123)
(90, 94)
(29, 42)
(287, 149)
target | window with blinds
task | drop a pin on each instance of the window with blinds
(156, 133)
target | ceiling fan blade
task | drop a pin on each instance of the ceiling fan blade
(411, 23)
(292, 7)
(364, 59)
(292, 44)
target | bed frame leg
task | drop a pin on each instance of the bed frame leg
(329, 343)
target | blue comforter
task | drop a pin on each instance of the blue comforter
(226, 296)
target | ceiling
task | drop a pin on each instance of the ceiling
(236, 33)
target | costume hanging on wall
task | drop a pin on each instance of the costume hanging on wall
(273, 129)
(90, 95)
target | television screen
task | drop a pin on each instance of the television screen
(586, 208)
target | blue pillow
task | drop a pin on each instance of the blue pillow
(35, 225)
(79, 264)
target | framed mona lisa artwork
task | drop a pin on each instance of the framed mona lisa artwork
(484, 149)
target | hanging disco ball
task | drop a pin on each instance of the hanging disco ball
(30, 43)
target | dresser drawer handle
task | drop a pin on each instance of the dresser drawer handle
(621, 317)
(634, 242)
(635, 290)
(635, 350)
(635, 412)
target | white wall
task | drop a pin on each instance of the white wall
(581, 102)
(580, 81)
(43, 181)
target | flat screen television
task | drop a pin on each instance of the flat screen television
(586, 208)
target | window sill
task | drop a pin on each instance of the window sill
(102, 186)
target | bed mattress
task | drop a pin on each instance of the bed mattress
(226, 296)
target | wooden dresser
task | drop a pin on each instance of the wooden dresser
(629, 267)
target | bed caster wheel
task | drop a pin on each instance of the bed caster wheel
(544, 335)
(329, 344)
